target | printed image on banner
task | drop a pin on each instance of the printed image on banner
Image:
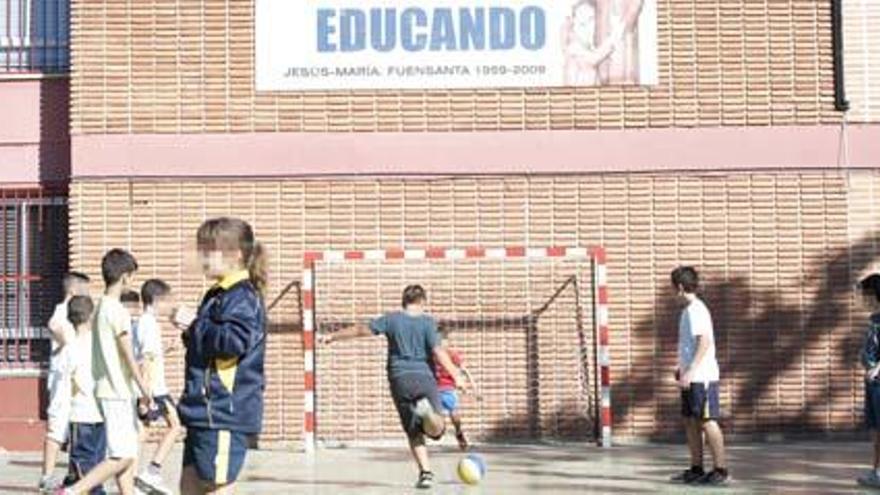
(444, 44)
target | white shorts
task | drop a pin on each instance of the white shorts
(121, 424)
(58, 411)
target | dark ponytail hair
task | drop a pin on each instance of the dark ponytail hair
(870, 286)
(230, 234)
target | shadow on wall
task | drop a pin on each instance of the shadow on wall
(566, 423)
(788, 366)
(785, 366)
(283, 306)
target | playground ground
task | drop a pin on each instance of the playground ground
(791, 467)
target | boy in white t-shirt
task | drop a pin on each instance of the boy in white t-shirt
(61, 333)
(88, 438)
(698, 375)
(149, 353)
(117, 378)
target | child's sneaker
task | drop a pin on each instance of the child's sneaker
(715, 477)
(48, 484)
(423, 408)
(426, 480)
(689, 475)
(870, 479)
(151, 483)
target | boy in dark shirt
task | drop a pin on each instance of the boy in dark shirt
(413, 345)
(870, 289)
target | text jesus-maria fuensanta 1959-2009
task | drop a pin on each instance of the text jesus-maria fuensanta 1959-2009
(416, 70)
(416, 29)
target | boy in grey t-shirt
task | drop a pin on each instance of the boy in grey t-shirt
(413, 345)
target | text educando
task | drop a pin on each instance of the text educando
(416, 29)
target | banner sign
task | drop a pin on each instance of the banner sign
(444, 44)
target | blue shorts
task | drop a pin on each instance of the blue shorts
(872, 404)
(217, 455)
(87, 448)
(449, 401)
(701, 402)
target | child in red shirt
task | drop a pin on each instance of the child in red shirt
(447, 390)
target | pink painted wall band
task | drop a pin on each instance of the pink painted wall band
(34, 132)
(468, 153)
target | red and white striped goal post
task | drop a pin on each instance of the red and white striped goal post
(600, 321)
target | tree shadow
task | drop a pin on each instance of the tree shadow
(761, 338)
(788, 356)
(278, 322)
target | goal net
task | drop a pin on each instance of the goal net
(525, 322)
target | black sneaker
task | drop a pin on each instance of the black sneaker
(426, 480)
(715, 477)
(689, 475)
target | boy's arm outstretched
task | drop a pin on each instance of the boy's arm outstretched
(356, 330)
(352, 331)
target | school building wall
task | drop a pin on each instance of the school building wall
(736, 162)
(34, 169)
(187, 67)
(779, 252)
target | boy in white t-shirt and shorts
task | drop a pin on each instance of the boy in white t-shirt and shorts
(149, 352)
(88, 438)
(698, 375)
(61, 334)
(117, 378)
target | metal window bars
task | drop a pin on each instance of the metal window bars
(33, 257)
(34, 36)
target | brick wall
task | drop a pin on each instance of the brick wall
(779, 251)
(187, 66)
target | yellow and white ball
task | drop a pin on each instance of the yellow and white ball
(471, 469)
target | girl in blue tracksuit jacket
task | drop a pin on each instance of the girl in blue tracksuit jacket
(222, 401)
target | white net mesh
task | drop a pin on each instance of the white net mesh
(524, 328)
